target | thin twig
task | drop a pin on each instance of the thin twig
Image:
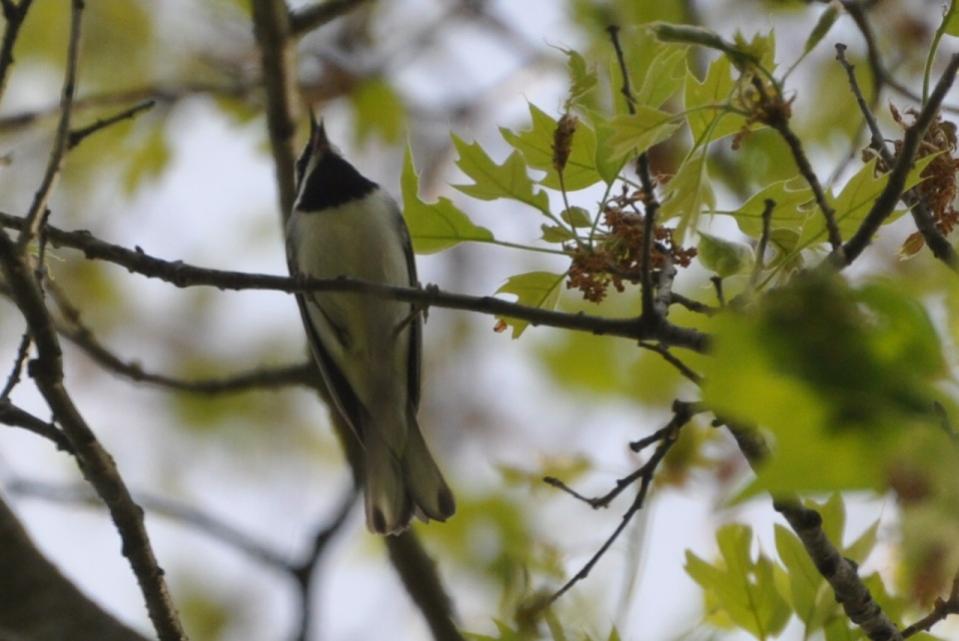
(314, 16)
(768, 206)
(650, 203)
(35, 214)
(692, 305)
(12, 415)
(876, 140)
(645, 475)
(23, 350)
(893, 191)
(74, 330)
(942, 609)
(183, 275)
(78, 135)
(777, 118)
(305, 571)
(671, 358)
(174, 510)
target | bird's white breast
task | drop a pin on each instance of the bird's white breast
(360, 239)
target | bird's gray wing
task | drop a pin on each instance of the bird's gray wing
(416, 324)
(338, 387)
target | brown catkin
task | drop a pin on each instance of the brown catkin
(563, 140)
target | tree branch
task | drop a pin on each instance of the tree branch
(78, 135)
(841, 573)
(37, 603)
(14, 14)
(941, 248)
(271, 25)
(418, 573)
(183, 275)
(73, 329)
(94, 461)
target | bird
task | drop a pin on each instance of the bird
(368, 349)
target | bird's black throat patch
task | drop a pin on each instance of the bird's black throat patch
(333, 182)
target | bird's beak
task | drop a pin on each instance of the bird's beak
(318, 140)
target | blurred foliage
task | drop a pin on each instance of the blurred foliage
(850, 377)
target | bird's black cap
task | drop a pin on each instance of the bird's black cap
(332, 181)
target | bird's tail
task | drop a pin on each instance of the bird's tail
(399, 486)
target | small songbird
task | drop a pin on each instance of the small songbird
(367, 348)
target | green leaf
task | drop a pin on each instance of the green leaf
(492, 181)
(663, 78)
(724, 257)
(805, 581)
(860, 549)
(582, 79)
(687, 193)
(556, 234)
(951, 19)
(744, 589)
(793, 200)
(856, 199)
(826, 20)
(837, 380)
(434, 226)
(608, 164)
(536, 145)
(833, 513)
(379, 111)
(706, 103)
(577, 217)
(635, 133)
(534, 289)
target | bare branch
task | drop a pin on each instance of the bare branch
(314, 16)
(78, 135)
(78, 494)
(34, 216)
(95, 462)
(645, 475)
(183, 275)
